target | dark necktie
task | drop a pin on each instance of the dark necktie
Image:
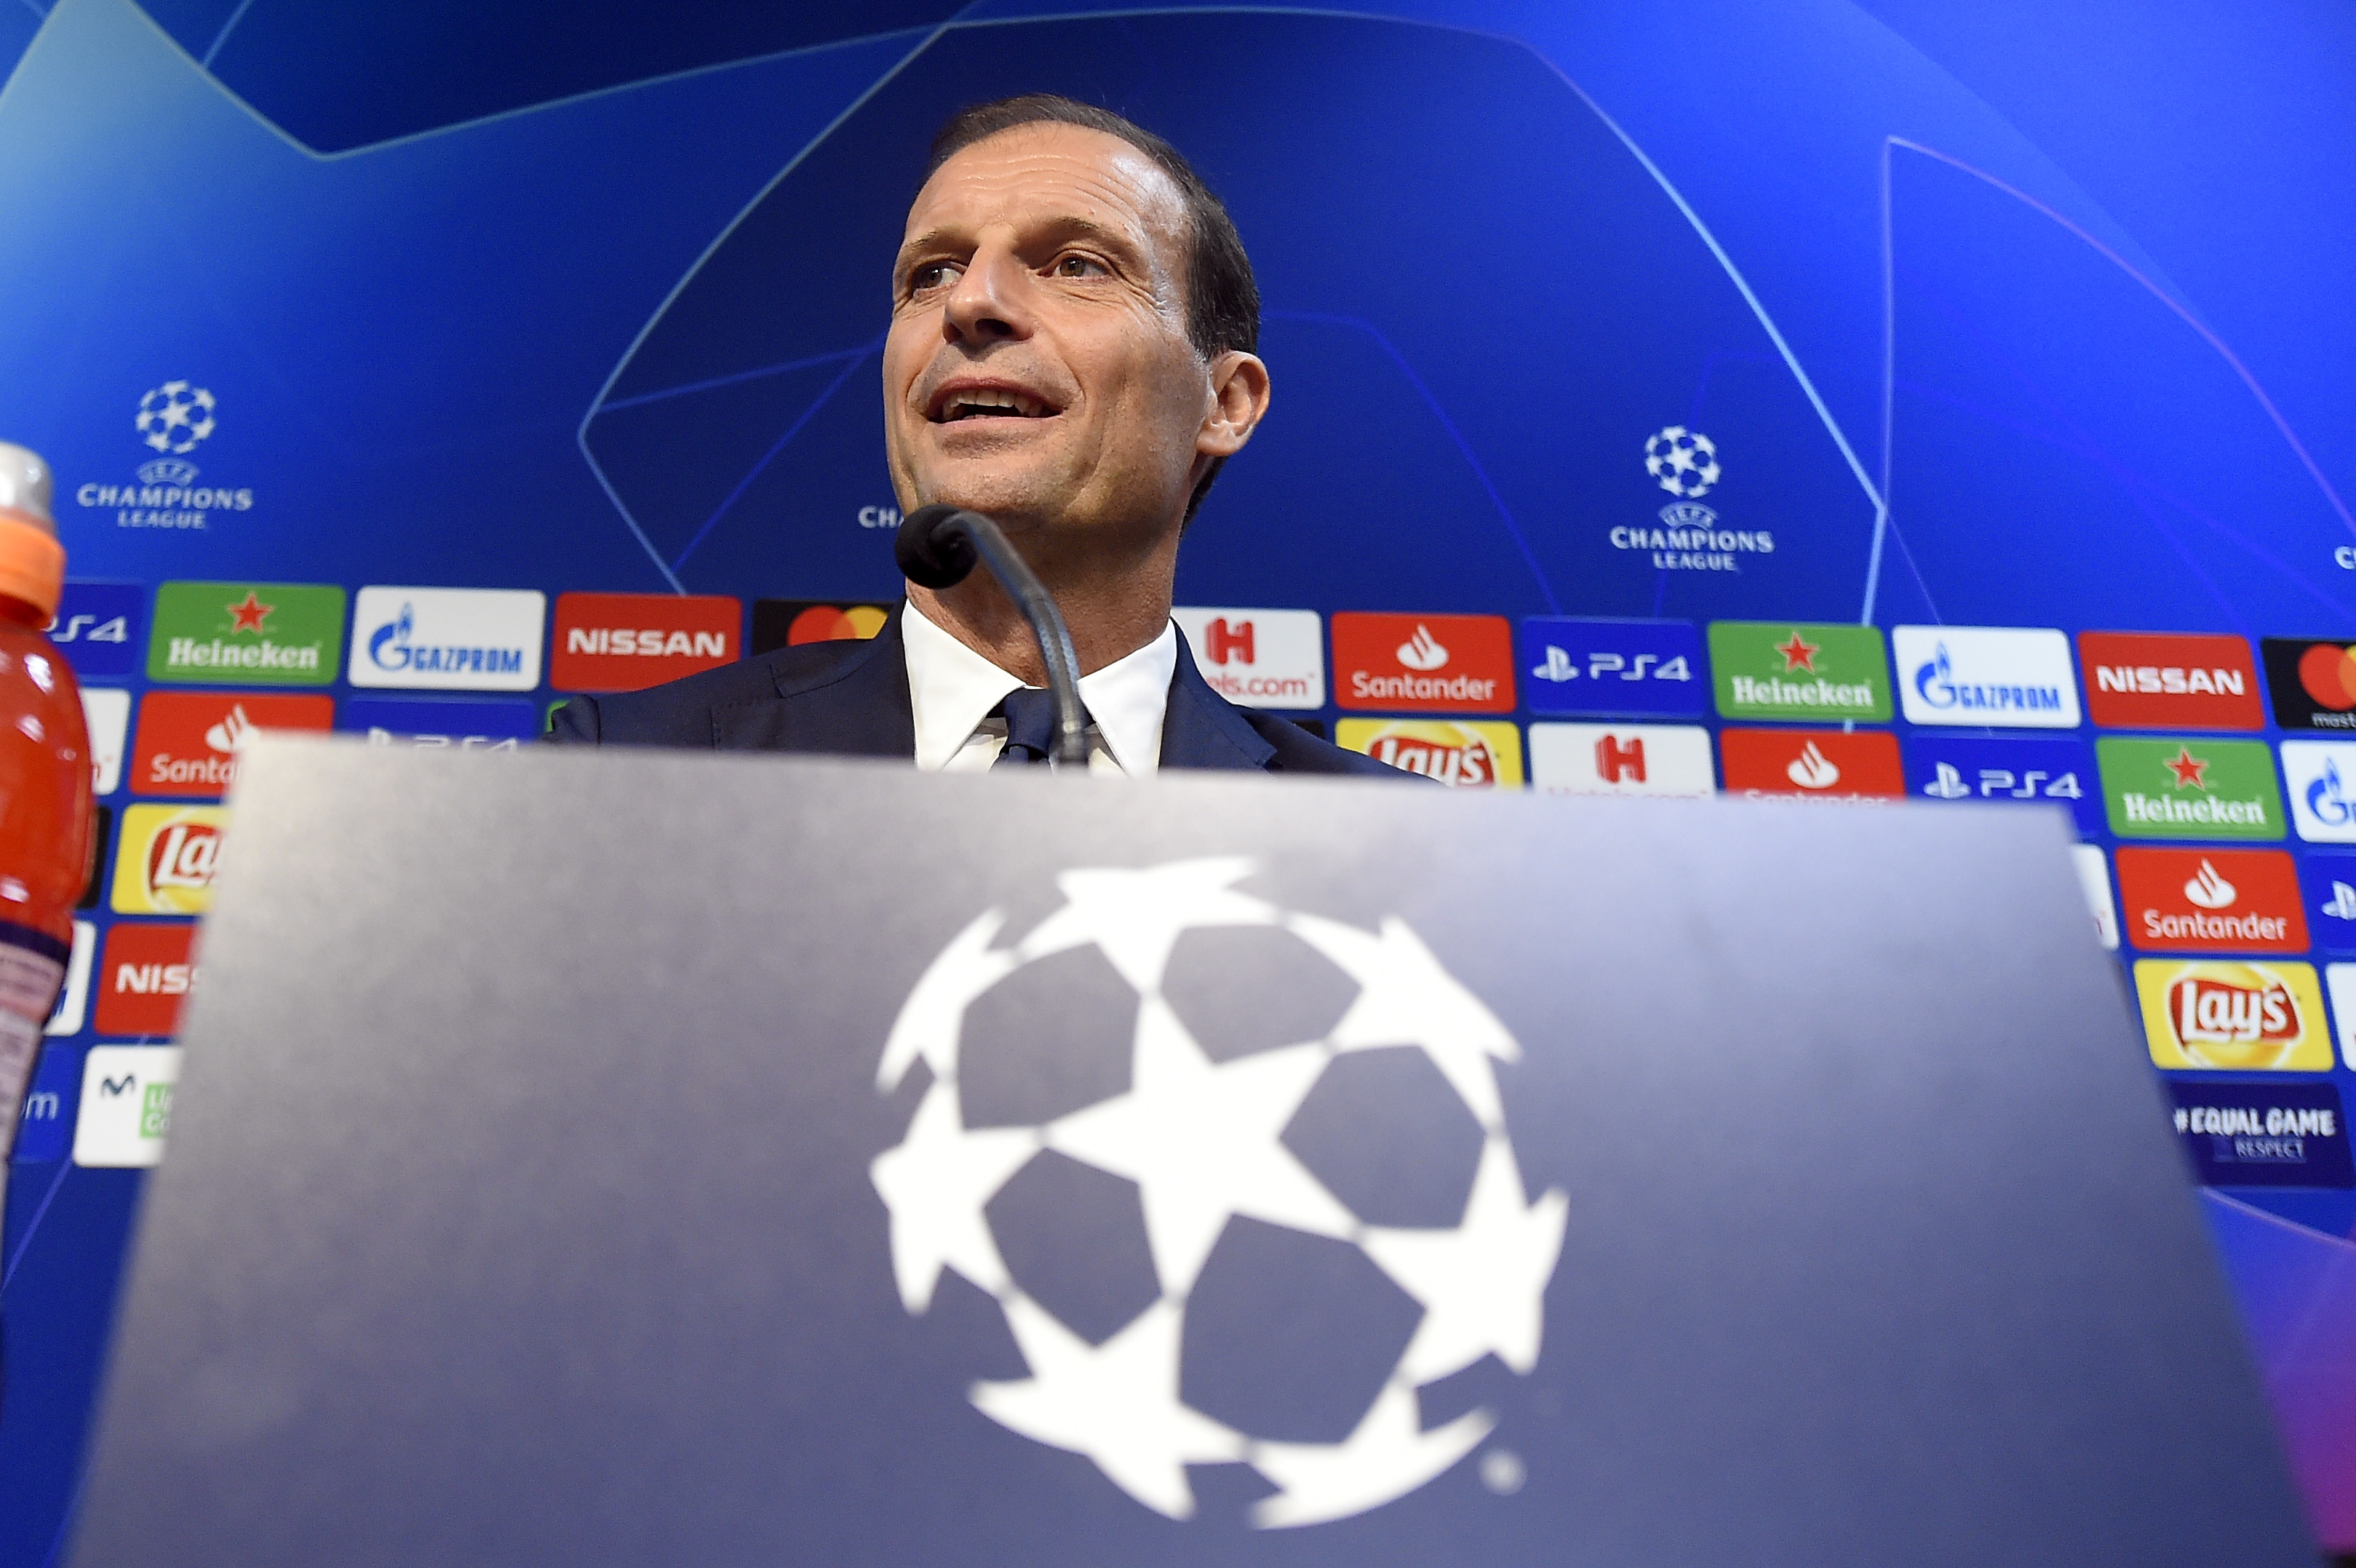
(1029, 715)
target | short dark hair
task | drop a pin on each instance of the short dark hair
(1222, 299)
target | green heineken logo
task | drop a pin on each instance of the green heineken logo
(155, 1110)
(2190, 789)
(271, 634)
(1774, 670)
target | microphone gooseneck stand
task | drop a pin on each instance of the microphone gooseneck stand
(938, 546)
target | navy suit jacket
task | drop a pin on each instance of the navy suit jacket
(849, 698)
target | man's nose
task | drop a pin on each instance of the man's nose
(988, 302)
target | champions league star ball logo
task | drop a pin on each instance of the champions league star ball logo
(174, 417)
(1201, 1132)
(1684, 461)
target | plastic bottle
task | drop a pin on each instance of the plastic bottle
(45, 783)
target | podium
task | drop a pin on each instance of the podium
(658, 1159)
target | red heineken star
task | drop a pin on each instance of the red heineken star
(1798, 654)
(249, 616)
(2188, 769)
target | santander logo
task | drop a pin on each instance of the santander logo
(1812, 769)
(2207, 890)
(232, 732)
(1422, 651)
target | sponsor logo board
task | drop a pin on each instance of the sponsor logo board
(2319, 776)
(165, 857)
(45, 1126)
(1622, 760)
(2094, 879)
(1423, 663)
(97, 627)
(145, 975)
(2225, 1015)
(246, 634)
(2264, 1134)
(1816, 765)
(457, 724)
(102, 833)
(2327, 885)
(190, 741)
(1257, 659)
(126, 1105)
(2021, 770)
(459, 640)
(73, 997)
(2169, 681)
(2212, 900)
(2011, 677)
(2342, 979)
(790, 623)
(627, 643)
(1467, 753)
(2189, 789)
(2312, 681)
(106, 714)
(1637, 668)
(1775, 670)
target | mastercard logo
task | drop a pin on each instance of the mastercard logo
(2326, 673)
(826, 623)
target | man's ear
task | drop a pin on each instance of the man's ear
(1238, 403)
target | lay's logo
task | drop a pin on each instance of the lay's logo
(166, 858)
(2236, 1017)
(1464, 754)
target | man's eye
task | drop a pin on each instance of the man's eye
(1078, 267)
(933, 274)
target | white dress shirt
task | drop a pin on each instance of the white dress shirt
(952, 689)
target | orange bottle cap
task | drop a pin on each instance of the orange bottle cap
(32, 562)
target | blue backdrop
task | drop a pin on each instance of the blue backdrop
(2001, 315)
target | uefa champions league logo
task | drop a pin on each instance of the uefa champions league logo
(174, 417)
(1684, 461)
(1201, 1137)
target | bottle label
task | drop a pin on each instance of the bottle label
(32, 969)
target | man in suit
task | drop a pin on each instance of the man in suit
(1072, 321)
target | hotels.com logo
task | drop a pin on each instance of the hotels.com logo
(625, 642)
(1261, 659)
(1424, 663)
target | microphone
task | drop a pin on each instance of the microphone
(937, 548)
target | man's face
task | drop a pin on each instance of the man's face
(1038, 368)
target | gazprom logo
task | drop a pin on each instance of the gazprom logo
(458, 639)
(1986, 675)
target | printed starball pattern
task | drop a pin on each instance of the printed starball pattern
(174, 417)
(1684, 461)
(1201, 1138)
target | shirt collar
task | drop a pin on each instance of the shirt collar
(952, 689)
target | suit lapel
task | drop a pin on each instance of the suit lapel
(857, 708)
(1201, 729)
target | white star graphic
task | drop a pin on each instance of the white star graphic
(1483, 1285)
(929, 1021)
(1388, 1455)
(1201, 1140)
(1404, 998)
(935, 1183)
(1137, 917)
(1116, 1403)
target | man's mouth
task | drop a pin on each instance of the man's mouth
(960, 404)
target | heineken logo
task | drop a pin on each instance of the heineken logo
(1775, 670)
(286, 634)
(2201, 790)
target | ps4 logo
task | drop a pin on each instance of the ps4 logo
(2341, 904)
(2030, 784)
(1559, 667)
